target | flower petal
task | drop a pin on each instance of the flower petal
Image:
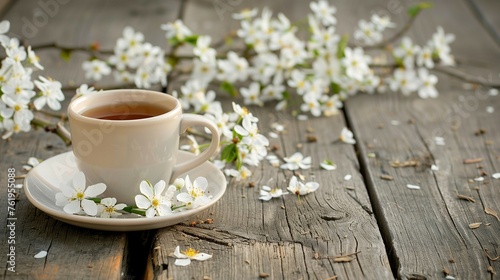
(164, 209)
(95, 190)
(120, 206)
(182, 262)
(79, 181)
(184, 197)
(68, 191)
(72, 207)
(202, 257)
(200, 201)
(159, 187)
(40, 255)
(201, 182)
(108, 201)
(151, 212)
(142, 202)
(146, 189)
(89, 207)
(61, 199)
(178, 254)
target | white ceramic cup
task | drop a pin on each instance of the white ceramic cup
(122, 153)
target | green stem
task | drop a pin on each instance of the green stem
(135, 210)
(54, 128)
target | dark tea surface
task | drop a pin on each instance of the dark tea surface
(124, 112)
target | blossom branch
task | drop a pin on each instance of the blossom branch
(92, 49)
(466, 77)
(54, 128)
(396, 36)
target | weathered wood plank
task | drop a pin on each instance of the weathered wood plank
(286, 238)
(82, 23)
(72, 251)
(427, 229)
(487, 14)
(67, 246)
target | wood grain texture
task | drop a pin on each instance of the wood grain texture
(82, 23)
(286, 238)
(72, 252)
(68, 247)
(427, 229)
(486, 13)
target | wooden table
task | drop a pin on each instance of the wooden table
(393, 231)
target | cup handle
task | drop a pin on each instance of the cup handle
(188, 120)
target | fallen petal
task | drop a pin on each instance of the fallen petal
(41, 254)
(182, 262)
(413, 187)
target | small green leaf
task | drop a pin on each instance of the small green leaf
(327, 161)
(286, 95)
(65, 54)
(229, 88)
(174, 41)
(229, 153)
(413, 11)
(335, 88)
(191, 39)
(342, 45)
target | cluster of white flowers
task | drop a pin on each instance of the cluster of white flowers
(133, 61)
(18, 95)
(180, 196)
(246, 144)
(157, 200)
(370, 32)
(415, 62)
(322, 70)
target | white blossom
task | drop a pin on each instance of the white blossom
(184, 258)
(95, 69)
(296, 161)
(427, 85)
(76, 197)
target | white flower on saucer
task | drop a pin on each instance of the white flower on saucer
(299, 188)
(179, 183)
(347, 136)
(108, 208)
(195, 195)
(266, 193)
(152, 199)
(76, 198)
(184, 258)
(296, 161)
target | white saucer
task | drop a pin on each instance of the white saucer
(41, 185)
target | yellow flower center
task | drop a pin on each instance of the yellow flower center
(80, 195)
(245, 111)
(17, 108)
(196, 192)
(190, 252)
(110, 209)
(155, 202)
